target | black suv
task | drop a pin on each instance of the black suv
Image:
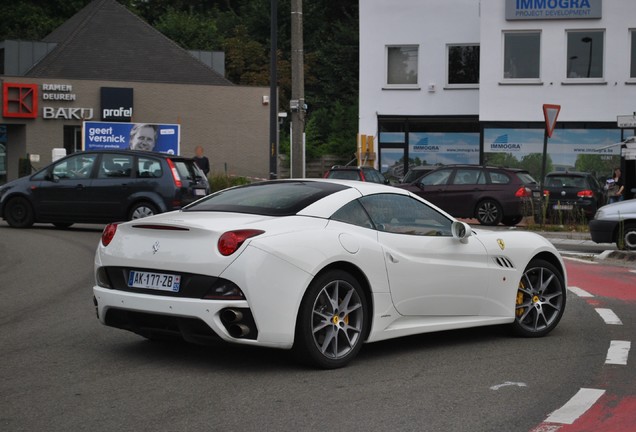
(492, 195)
(571, 196)
(102, 187)
(360, 173)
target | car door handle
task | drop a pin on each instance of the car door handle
(392, 258)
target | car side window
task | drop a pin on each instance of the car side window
(148, 168)
(115, 166)
(439, 177)
(469, 176)
(353, 214)
(403, 214)
(78, 166)
(499, 178)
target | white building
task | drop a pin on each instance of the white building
(465, 81)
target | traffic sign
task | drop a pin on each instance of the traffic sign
(550, 112)
(626, 121)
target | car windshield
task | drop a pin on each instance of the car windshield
(187, 169)
(275, 198)
(566, 181)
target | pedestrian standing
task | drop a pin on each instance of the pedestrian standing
(202, 161)
(616, 189)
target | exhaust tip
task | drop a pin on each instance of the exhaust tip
(231, 316)
(238, 330)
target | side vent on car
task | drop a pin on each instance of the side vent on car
(503, 262)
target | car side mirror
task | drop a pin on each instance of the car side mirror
(461, 231)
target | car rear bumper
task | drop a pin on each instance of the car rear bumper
(602, 231)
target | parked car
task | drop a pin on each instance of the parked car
(492, 195)
(102, 187)
(414, 173)
(615, 223)
(382, 263)
(571, 195)
(361, 173)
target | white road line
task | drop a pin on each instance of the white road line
(575, 407)
(579, 292)
(609, 316)
(586, 261)
(618, 352)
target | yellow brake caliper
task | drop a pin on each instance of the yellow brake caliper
(520, 311)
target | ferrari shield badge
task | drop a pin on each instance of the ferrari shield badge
(501, 244)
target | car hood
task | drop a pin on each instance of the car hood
(618, 210)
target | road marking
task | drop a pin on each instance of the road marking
(608, 316)
(618, 352)
(586, 261)
(508, 383)
(575, 407)
(579, 292)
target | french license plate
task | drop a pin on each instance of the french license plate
(562, 207)
(199, 192)
(156, 281)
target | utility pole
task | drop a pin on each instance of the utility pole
(297, 103)
(273, 92)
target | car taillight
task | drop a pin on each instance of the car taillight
(546, 193)
(523, 192)
(230, 241)
(175, 173)
(585, 194)
(109, 233)
(362, 178)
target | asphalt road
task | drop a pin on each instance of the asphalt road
(63, 371)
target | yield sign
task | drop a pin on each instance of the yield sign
(550, 112)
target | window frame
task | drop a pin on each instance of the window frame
(585, 80)
(406, 86)
(524, 80)
(448, 66)
(632, 61)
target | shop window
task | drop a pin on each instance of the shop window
(522, 55)
(585, 54)
(402, 65)
(463, 65)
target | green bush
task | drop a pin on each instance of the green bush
(221, 181)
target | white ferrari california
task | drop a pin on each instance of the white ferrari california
(320, 267)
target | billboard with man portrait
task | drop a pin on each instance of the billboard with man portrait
(162, 138)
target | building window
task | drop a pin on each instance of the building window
(585, 54)
(402, 65)
(632, 69)
(522, 55)
(463, 64)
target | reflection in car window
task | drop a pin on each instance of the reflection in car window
(402, 214)
(439, 177)
(271, 198)
(469, 176)
(74, 167)
(354, 214)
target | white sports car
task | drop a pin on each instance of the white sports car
(321, 266)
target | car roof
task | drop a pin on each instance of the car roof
(491, 167)
(568, 173)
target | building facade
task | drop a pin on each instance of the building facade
(77, 72)
(465, 81)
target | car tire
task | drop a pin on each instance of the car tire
(540, 300)
(19, 213)
(489, 212)
(141, 210)
(332, 321)
(628, 238)
(511, 220)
